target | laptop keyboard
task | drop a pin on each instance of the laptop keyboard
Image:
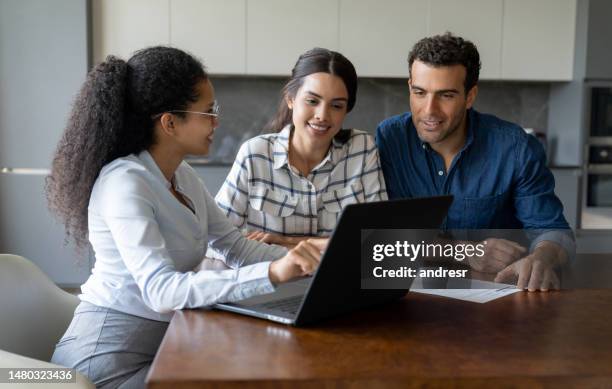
(288, 305)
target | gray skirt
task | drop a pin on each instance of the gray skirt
(113, 349)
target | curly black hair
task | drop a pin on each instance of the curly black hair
(112, 118)
(446, 50)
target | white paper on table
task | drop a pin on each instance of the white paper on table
(478, 292)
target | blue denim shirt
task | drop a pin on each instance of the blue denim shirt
(499, 179)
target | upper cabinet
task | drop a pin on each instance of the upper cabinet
(458, 17)
(517, 39)
(538, 40)
(599, 52)
(377, 35)
(121, 27)
(278, 31)
(214, 31)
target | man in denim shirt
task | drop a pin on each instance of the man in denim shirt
(495, 171)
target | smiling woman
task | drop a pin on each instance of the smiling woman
(209, 111)
(293, 183)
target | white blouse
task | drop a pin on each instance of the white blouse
(147, 243)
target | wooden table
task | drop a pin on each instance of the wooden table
(552, 339)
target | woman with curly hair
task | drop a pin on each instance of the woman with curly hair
(119, 182)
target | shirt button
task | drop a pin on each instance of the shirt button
(440, 173)
(424, 146)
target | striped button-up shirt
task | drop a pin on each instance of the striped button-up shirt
(263, 192)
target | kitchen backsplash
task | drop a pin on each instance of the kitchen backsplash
(247, 103)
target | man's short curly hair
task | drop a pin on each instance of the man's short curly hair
(447, 50)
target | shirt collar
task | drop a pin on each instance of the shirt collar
(336, 145)
(147, 159)
(280, 149)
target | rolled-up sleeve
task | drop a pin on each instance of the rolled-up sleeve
(537, 206)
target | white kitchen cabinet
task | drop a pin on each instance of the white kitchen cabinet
(517, 39)
(278, 31)
(479, 21)
(120, 27)
(212, 30)
(378, 35)
(538, 40)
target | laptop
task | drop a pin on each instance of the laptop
(335, 287)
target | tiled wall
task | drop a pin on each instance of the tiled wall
(247, 103)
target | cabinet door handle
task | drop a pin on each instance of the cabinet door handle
(600, 168)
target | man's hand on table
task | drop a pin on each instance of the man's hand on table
(498, 254)
(537, 270)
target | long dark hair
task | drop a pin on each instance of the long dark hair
(111, 118)
(317, 60)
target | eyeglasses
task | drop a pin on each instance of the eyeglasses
(214, 112)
